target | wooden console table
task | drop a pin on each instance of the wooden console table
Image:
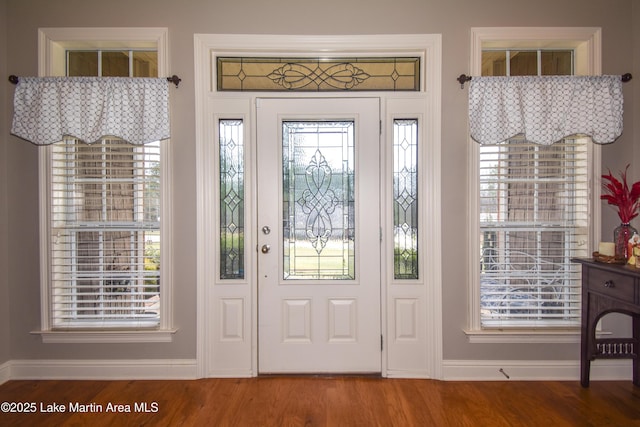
(609, 288)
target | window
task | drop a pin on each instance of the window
(405, 199)
(318, 178)
(108, 241)
(232, 207)
(533, 211)
(113, 63)
(105, 224)
(527, 62)
(533, 220)
(533, 216)
(318, 74)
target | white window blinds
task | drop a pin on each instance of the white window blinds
(105, 234)
(533, 220)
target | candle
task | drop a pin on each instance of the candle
(607, 248)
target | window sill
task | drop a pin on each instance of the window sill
(524, 336)
(114, 336)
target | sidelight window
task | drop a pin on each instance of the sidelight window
(232, 203)
(405, 199)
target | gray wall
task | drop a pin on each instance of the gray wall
(636, 87)
(4, 241)
(453, 19)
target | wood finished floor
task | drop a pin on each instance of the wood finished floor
(325, 401)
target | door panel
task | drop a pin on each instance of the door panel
(319, 235)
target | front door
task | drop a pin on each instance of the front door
(319, 235)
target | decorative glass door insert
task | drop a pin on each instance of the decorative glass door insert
(277, 74)
(231, 199)
(405, 199)
(318, 201)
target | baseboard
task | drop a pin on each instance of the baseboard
(533, 370)
(186, 369)
(392, 373)
(154, 369)
(5, 372)
(240, 373)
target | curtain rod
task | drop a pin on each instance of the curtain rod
(173, 79)
(463, 78)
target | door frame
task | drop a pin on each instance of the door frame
(227, 310)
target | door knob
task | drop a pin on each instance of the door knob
(265, 249)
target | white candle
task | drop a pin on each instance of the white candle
(607, 248)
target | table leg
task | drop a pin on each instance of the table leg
(585, 341)
(636, 350)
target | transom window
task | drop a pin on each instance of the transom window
(112, 63)
(527, 62)
(318, 74)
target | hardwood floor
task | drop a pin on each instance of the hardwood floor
(320, 401)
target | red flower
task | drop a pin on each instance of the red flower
(617, 193)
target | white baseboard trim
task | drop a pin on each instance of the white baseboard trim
(5, 372)
(533, 370)
(186, 369)
(231, 374)
(392, 373)
(147, 369)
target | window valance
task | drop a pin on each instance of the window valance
(545, 109)
(46, 109)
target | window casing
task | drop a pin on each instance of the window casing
(534, 206)
(106, 249)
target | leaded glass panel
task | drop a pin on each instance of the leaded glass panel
(318, 74)
(405, 199)
(231, 199)
(318, 200)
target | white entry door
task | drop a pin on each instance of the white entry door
(318, 164)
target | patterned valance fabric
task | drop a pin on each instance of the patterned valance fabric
(46, 109)
(545, 109)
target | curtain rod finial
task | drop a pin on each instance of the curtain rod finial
(626, 77)
(174, 79)
(13, 79)
(462, 79)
